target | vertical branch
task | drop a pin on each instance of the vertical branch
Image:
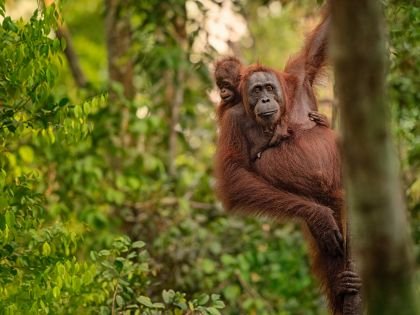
(374, 195)
(180, 34)
(175, 110)
(71, 56)
(118, 40)
(120, 63)
(63, 33)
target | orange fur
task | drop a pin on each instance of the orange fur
(299, 179)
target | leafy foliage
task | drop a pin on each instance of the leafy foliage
(45, 224)
(91, 219)
(404, 21)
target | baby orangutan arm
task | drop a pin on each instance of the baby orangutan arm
(319, 119)
(281, 134)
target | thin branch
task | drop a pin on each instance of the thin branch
(72, 59)
(70, 53)
(175, 110)
(114, 297)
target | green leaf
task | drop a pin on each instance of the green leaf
(26, 153)
(118, 265)
(212, 311)
(8, 24)
(10, 218)
(158, 305)
(145, 301)
(63, 43)
(119, 300)
(219, 304)
(208, 266)
(138, 244)
(64, 101)
(168, 296)
(46, 249)
(104, 252)
(231, 292)
(203, 299)
(56, 292)
(51, 134)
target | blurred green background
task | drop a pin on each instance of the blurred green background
(106, 189)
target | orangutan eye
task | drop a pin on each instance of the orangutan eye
(226, 84)
(257, 89)
(269, 88)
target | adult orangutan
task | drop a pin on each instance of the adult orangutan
(260, 137)
(300, 178)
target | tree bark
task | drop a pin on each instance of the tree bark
(379, 227)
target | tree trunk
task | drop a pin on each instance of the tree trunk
(379, 227)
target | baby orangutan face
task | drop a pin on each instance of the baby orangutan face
(265, 98)
(228, 93)
(227, 74)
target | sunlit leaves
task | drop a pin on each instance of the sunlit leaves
(28, 75)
